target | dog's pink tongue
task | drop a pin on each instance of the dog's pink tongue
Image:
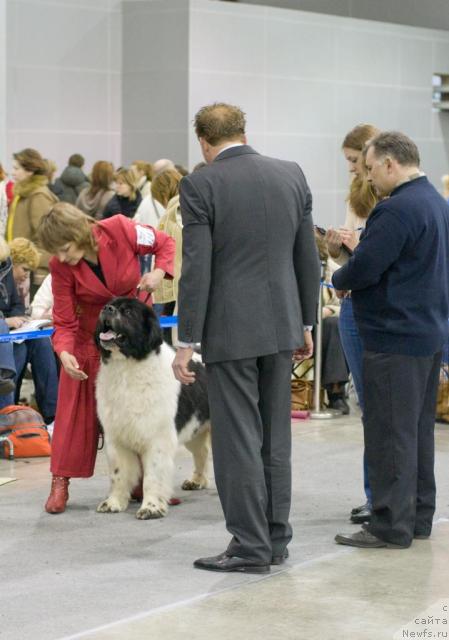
(108, 335)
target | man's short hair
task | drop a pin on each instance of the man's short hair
(219, 122)
(398, 146)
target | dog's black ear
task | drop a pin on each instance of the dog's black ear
(152, 330)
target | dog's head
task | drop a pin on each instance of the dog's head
(129, 327)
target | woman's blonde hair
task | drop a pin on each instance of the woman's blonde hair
(24, 252)
(4, 250)
(362, 198)
(65, 223)
(128, 177)
(165, 186)
(145, 167)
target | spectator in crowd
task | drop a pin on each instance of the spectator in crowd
(56, 188)
(93, 199)
(144, 174)
(162, 165)
(334, 370)
(7, 365)
(72, 180)
(42, 304)
(400, 290)
(93, 262)
(165, 188)
(445, 181)
(39, 353)
(25, 259)
(181, 170)
(250, 279)
(360, 202)
(127, 196)
(3, 201)
(32, 199)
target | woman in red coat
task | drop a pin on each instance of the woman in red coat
(93, 262)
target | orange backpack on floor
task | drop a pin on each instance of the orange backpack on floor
(23, 433)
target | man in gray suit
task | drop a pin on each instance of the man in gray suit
(248, 292)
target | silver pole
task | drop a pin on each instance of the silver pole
(318, 413)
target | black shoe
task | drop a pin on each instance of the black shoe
(365, 540)
(339, 404)
(226, 564)
(357, 509)
(364, 515)
(280, 559)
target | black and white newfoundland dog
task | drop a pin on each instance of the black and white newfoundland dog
(145, 412)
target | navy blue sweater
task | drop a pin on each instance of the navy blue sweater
(399, 273)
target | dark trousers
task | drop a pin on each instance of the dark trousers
(45, 375)
(251, 444)
(399, 419)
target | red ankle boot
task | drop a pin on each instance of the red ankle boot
(59, 495)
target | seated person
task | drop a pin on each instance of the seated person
(334, 370)
(37, 352)
(42, 304)
(25, 259)
(7, 369)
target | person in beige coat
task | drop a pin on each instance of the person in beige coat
(32, 200)
(165, 188)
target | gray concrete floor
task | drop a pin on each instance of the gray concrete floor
(109, 577)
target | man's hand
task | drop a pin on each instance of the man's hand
(307, 350)
(334, 242)
(71, 366)
(180, 366)
(150, 281)
(340, 293)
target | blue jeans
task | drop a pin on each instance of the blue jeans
(7, 363)
(353, 348)
(45, 375)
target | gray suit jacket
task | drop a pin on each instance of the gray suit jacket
(250, 270)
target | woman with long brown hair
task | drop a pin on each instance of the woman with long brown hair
(92, 263)
(360, 202)
(93, 199)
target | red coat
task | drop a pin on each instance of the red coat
(79, 296)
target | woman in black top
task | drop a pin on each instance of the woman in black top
(127, 198)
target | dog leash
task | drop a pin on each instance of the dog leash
(147, 296)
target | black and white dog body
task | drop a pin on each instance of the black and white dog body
(145, 412)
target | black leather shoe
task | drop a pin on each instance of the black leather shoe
(360, 508)
(339, 404)
(365, 540)
(280, 559)
(364, 515)
(226, 564)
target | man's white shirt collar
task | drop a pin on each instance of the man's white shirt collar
(230, 146)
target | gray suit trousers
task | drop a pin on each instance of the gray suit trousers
(251, 445)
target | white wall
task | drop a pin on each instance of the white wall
(305, 79)
(63, 70)
(155, 80)
(2, 81)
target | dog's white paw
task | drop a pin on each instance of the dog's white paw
(112, 505)
(152, 509)
(194, 485)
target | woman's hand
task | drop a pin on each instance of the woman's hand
(348, 238)
(151, 281)
(71, 366)
(15, 322)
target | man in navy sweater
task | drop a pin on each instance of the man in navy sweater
(400, 289)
